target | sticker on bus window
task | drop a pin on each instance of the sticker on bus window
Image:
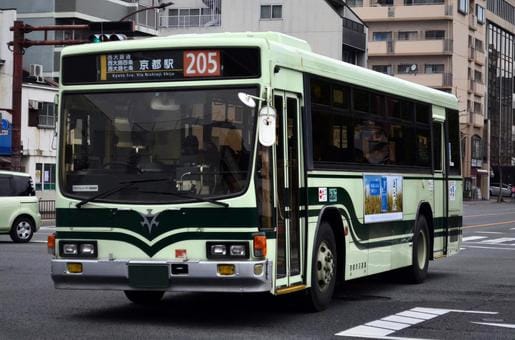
(84, 188)
(333, 195)
(383, 198)
(322, 194)
(452, 190)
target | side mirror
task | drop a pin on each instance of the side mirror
(266, 125)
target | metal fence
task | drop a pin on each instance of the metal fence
(47, 209)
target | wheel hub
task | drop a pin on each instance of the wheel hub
(325, 266)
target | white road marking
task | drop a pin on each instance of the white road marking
(499, 240)
(383, 328)
(473, 238)
(495, 248)
(489, 232)
(504, 325)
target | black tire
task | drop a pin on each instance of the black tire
(22, 229)
(144, 297)
(417, 272)
(323, 270)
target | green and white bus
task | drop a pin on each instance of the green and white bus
(244, 162)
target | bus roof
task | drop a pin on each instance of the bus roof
(286, 51)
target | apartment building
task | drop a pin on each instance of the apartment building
(441, 44)
(329, 26)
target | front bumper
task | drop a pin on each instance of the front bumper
(202, 276)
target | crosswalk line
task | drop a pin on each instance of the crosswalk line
(499, 240)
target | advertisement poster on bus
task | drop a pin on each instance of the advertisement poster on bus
(383, 198)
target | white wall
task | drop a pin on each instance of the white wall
(38, 144)
(312, 20)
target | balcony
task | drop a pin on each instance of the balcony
(404, 13)
(435, 80)
(187, 21)
(479, 57)
(477, 119)
(410, 47)
(472, 22)
(479, 89)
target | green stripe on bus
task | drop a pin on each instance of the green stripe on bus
(164, 222)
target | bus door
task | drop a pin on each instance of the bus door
(289, 179)
(439, 191)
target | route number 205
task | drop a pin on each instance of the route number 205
(201, 63)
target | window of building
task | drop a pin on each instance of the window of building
(382, 36)
(434, 68)
(45, 176)
(423, 2)
(435, 35)
(478, 76)
(480, 14)
(271, 11)
(406, 68)
(479, 45)
(355, 3)
(477, 107)
(463, 6)
(385, 2)
(42, 114)
(477, 151)
(386, 69)
(407, 35)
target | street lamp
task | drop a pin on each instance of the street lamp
(163, 5)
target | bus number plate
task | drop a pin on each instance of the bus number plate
(149, 276)
(202, 63)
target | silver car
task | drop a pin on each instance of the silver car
(506, 190)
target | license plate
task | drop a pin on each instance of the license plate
(149, 276)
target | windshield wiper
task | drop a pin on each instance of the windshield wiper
(121, 186)
(198, 199)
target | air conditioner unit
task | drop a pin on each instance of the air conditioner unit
(36, 71)
(33, 104)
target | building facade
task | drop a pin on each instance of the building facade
(329, 26)
(66, 12)
(441, 44)
(500, 17)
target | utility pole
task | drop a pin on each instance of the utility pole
(500, 198)
(18, 45)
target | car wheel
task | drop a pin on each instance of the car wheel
(417, 272)
(144, 297)
(22, 229)
(323, 270)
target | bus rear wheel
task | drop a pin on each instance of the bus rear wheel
(417, 272)
(323, 269)
(144, 297)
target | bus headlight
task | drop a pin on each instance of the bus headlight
(87, 249)
(70, 249)
(238, 250)
(227, 250)
(78, 248)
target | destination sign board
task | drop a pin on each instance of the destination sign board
(161, 65)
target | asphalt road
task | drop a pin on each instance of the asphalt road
(467, 296)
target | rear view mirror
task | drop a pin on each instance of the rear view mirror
(266, 125)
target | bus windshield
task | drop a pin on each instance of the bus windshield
(171, 145)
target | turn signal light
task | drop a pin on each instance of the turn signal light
(51, 244)
(74, 268)
(259, 245)
(226, 269)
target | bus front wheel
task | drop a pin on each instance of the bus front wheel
(144, 297)
(417, 272)
(323, 269)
